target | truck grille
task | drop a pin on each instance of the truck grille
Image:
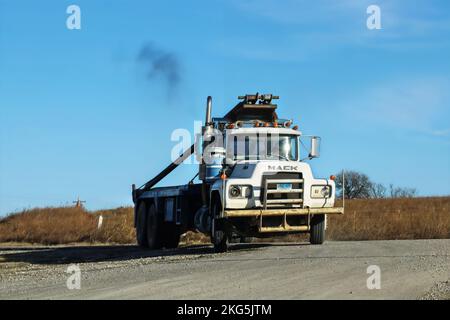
(274, 197)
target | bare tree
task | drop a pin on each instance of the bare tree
(399, 192)
(378, 191)
(356, 185)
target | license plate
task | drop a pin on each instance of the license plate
(284, 186)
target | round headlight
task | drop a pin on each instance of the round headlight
(235, 191)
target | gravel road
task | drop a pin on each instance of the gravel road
(410, 269)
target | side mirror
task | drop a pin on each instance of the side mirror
(315, 147)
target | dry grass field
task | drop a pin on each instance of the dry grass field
(390, 219)
(68, 225)
(375, 219)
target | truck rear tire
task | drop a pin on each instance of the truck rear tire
(317, 232)
(141, 225)
(154, 224)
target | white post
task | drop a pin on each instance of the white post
(100, 222)
(343, 190)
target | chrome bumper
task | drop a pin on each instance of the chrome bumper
(284, 227)
(280, 212)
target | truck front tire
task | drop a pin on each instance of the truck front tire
(171, 235)
(220, 240)
(219, 235)
(317, 232)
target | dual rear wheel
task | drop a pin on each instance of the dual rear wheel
(152, 231)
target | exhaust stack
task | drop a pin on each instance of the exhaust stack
(208, 119)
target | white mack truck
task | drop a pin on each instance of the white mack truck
(254, 183)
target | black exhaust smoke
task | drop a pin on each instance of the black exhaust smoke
(161, 64)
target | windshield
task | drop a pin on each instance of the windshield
(263, 147)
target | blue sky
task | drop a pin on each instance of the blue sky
(79, 116)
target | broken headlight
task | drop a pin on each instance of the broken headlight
(320, 192)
